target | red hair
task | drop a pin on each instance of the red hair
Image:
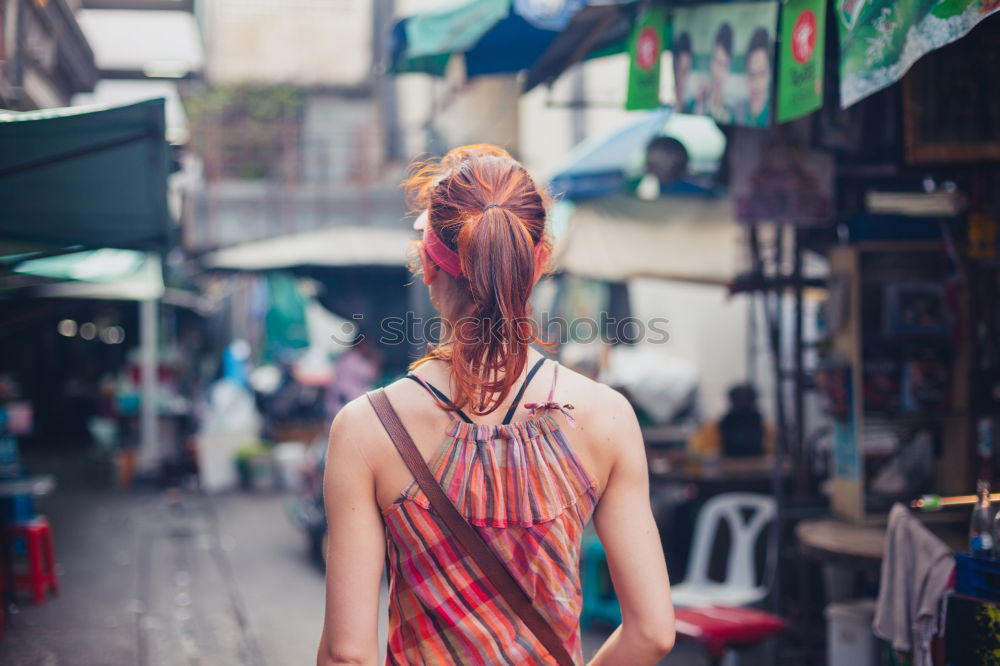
(488, 348)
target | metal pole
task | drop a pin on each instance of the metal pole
(578, 114)
(147, 414)
(801, 455)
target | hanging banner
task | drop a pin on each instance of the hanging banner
(881, 39)
(723, 56)
(645, 53)
(800, 61)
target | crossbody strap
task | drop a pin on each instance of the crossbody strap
(504, 583)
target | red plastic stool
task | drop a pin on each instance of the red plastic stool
(723, 630)
(3, 585)
(41, 557)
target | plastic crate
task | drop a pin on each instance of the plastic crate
(977, 577)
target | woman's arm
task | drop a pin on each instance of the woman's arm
(355, 543)
(625, 525)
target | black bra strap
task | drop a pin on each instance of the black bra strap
(441, 396)
(520, 393)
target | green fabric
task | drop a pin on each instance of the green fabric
(285, 323)
(800, 61)
(83, 194)
(881, 39)
(453, 29)
(434, 65)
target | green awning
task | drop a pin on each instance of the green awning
(85, 177)
(453, 28)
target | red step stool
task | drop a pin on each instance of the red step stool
(41, 557)
(3, 596)
(723, 630)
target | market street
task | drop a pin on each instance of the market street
(172, 578)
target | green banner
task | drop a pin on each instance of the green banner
(800, 62)
(645, 53)
(881, 39)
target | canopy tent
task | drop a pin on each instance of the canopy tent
(688, 239)
(602, 165)
(105, 274)
(84, 176)
(507, 36)
(335, 246)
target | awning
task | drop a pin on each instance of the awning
(493, 37)
(335, 246)
(105, 274)
(85, 177)
(593, 32)
(689, 239)
(507, 36)
(119, 92)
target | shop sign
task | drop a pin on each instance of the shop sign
(645, 54)
(776, 177)
(982, 233)
(800, 62)
(881, 39)
(728, 74)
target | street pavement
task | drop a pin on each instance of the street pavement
(175, 578)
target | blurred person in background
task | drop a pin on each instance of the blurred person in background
(740, 433)
(355, 374)
(527, 453)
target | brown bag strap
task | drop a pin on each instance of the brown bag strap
(505, 584)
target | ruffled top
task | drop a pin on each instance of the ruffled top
(524, 489)
(521, 473)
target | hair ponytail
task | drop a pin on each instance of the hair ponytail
(491, 344)
(488, 209)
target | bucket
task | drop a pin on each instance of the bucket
(850, 641)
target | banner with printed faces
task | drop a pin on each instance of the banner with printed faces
(723, 57)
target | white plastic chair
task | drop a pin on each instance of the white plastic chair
(740, 587)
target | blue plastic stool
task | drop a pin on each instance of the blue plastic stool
(18, 508)
(599, 600)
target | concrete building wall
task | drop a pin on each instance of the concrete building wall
(302, 42)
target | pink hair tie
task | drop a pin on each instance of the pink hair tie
(446, 258)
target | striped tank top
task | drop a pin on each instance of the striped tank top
(524, 490)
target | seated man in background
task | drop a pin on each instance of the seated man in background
(740, 433)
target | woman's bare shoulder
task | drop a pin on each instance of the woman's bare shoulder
(356, 433)
(600, 408)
